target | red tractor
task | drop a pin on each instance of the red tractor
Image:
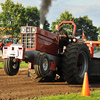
(40, 49)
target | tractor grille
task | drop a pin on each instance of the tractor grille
(28, 40)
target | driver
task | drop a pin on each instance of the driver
(62, 38)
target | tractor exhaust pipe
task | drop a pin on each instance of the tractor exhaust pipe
(41, 26)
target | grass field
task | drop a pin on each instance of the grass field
(95, 95)
(22, 64)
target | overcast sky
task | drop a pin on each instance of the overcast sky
(76, 7)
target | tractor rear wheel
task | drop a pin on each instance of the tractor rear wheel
(41, 67)
(10, 66)
(75, 62)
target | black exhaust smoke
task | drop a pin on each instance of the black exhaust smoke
(44, 9)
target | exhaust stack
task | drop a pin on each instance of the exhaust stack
(41, 26)
(44, 9)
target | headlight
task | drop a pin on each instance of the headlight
(70, 40)
(34, 30)
(23, 29)
(74, 40)
(28, 29)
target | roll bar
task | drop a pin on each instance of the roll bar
(66, 22)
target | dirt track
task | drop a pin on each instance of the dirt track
(21, 86)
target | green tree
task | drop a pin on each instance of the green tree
(12, 17)
(66, 16)
(53, 24)
(32, 15)
(46, 26)
(99, 30)
(84, 23)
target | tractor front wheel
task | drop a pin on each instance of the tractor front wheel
(10, 66)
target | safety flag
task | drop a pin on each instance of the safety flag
(83, 36)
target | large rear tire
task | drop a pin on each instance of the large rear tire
(10, 67)
(75, 62)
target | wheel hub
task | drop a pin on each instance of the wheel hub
(45, 64)
(14, 64)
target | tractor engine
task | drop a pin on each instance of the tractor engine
(39, 40)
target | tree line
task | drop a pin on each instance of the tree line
(82, 24)
(13, 16)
